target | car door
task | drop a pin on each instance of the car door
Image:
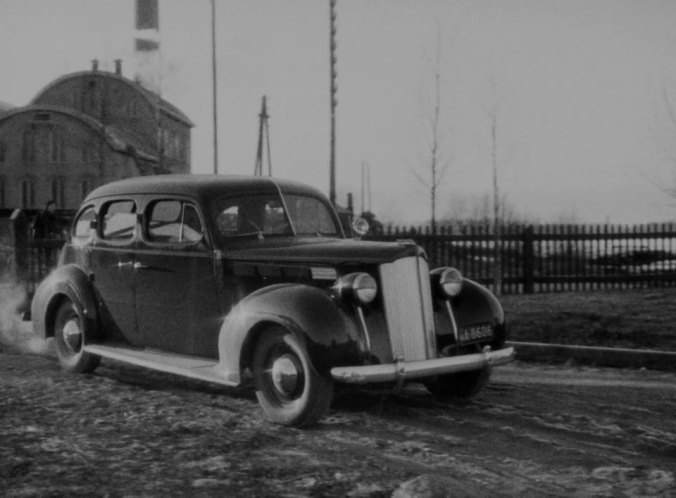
(177, 301)
(111, 262)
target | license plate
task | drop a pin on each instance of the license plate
(476, 333)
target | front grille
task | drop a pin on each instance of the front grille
(408, 308)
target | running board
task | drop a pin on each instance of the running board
(194, 367)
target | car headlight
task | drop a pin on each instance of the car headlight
(361, 287)
(449, 281)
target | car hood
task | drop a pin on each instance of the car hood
(326, 251)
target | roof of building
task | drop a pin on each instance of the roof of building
(4, 107)
(120, 140)
(154, 99)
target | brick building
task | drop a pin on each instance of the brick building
(85, 129)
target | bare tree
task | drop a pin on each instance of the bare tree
(434, 166)
(664, 131)
(497, 213)
(478, 209)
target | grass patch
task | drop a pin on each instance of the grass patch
(638, 319)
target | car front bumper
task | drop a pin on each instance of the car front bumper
(424, 368)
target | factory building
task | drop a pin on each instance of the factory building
(85, 129)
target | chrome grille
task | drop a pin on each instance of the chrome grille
(408, 308)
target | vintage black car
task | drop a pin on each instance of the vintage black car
(236, 279)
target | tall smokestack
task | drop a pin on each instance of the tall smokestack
(147, 45)
(118, 67)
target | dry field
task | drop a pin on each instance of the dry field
(642, 318)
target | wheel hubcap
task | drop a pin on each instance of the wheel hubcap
(72, 335)
(287, 375)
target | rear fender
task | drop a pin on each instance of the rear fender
(319, 321)
(68, 281)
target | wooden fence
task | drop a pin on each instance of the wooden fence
(552, 258)
(524, 259)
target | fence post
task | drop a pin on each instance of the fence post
(528, 260)
(18, 229)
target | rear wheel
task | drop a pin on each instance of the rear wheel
(69, 334)
(458, 385)
(289, 389)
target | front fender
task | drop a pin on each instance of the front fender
(474, 305)
(329, 334)
(65, 281)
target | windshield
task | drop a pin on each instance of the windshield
(266, 215)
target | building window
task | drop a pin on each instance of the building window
(3, 202)
(28, 146)
(54, 146)
(27, 194)
(185, 156)
(176, 146)
(58, 193)
(85, 188)
(92, 100)
(132, 108)
(3, 152)
(75, 100)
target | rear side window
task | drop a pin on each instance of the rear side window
(119, 220)
(174, 222)
(84, 225)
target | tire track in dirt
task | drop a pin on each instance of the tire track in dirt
(129, 431)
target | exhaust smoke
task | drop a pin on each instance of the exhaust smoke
(16, 334)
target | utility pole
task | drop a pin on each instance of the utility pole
(214, 87)
(263, 136)
(497, 215)
(365, 187)
(334, 101)
(363, 183)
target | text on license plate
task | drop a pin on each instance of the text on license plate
(476, 333)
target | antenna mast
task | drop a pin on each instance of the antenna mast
(213, 82)
(263, 136)
(334, 101)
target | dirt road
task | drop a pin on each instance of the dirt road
(536, 430)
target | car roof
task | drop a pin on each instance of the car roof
(199, 185)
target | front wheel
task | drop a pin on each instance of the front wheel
(289, 389)
(458, 385)
(69, 334)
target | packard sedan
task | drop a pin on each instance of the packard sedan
(252, 280)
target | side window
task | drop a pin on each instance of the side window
(119, 220)
(275, 220)
(252, 215)
(191, 229)
(84, 225)
(174, 222)
(228, 221)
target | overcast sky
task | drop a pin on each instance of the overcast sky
(577, 88)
